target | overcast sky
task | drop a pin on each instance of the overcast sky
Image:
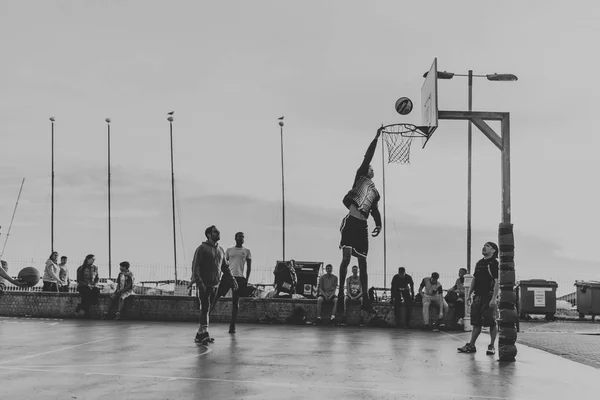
(229, 69)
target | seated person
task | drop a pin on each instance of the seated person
(285, 279)
(458, 293)
(403, 287)
(326, 293)
(122, 292)
(433, 295)
(354, 294)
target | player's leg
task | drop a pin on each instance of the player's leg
(202, 333)
(364, 282)
(346, 257)
(242, 284)
(408, 306)
(333, 308)
(221, 290)
(426, 304)
(320, 300)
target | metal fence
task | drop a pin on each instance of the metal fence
(159, 279)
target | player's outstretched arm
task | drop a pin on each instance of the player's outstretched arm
(6, 276)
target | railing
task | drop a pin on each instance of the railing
(158, 279)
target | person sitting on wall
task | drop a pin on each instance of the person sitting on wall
(87, 286)
(122, 292)
(456, 295)
(433, 295)
(328, 284)
(354, 294)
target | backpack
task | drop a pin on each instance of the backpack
(284, 280)
(298, 317)
(373, 295)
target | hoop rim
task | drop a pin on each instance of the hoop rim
(408, 130)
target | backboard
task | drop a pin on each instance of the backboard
(429, 100)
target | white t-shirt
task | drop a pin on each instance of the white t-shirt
(237, 256)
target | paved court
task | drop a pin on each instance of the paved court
(81, 359)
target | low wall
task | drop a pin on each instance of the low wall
(185, 308)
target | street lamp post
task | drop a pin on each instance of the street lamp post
(109, 230)
(470, 75)
(282, 189)
(170, 119)
(52, 184)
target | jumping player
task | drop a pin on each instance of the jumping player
(361, 201)
(237, 256)
(208, 259)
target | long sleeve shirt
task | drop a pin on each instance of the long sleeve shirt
(209, 261)
(51, 272)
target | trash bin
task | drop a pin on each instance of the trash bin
(307, 273)
(588, 298)
(538, 296)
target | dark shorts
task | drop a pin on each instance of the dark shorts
(225, 286)
(355, 234)
(325, 301)
(481, 312)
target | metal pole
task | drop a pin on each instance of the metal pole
(52, 201)
(170, 119)
(469, 173)
(109, 227)
(384, 220)
(282, 189)
(12, 218)
(506, 207)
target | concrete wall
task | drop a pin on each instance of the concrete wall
(185, 308)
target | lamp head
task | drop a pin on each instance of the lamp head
(107, 120)
(502, 77)
(281, 123)
(170, 119)
(52, 119)
(441, 75)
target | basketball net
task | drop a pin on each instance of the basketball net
(399, 138)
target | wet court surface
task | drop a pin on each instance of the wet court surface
(81, 359)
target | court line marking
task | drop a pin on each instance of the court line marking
(164, 360)
(281, 384)
(56, 351)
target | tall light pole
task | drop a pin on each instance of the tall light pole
(109, 231)
(282, 188)
(52, 184)
(470, 75)
(170, 119)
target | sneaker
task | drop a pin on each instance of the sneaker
(319, 321)
(342, 321)
(467, 348)
(490, 350)
(202, 338)
(117, 316)
(104, 315)
(460, 321)
(369, 309)
(231, 328)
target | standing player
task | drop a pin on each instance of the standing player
(237, 256)
(208, 259)
(484, 289)
(361, 201)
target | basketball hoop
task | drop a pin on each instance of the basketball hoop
(399, 137)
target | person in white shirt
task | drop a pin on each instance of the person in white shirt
(238, 257)
(433, 295)
(52, 281)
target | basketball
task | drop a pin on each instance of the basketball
(404, 105)
(29, 275)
